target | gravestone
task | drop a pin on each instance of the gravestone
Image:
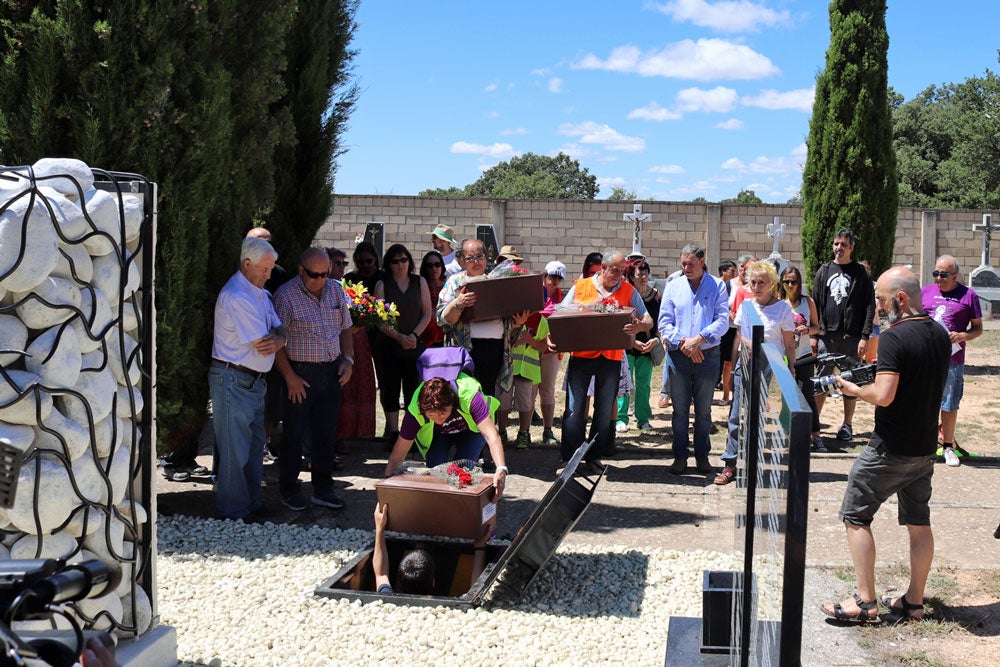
(984, 279)
(488, 235)
(375, 234)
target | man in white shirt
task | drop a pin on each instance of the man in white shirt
(443, 240)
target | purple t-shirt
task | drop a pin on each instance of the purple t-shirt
(454, 424)
(954, 310)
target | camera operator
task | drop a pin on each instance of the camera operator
(899, 459)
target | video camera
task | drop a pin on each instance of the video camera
(851, 370)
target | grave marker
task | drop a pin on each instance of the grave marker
(637, 217)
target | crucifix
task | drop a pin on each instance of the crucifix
(776, 230)
(637, 217)
(986, 226)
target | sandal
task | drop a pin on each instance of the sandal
(867, 611)
(908, 612)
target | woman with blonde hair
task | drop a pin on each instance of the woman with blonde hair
(779, 329)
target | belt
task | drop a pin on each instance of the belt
(256, 375)
(313, 363)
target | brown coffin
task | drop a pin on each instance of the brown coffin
(500, 297)
(428, 505)
(586, 330)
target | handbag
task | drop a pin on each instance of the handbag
(657, 354)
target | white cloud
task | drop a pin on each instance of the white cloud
(555, 85)
(726, 16)
(490, 88)
(575, 151)
(609, 183)
(498, 151)
(782, 165)
(492, 115)
(653, 111)
(542, 71)
(797, 100)
(667, 169)
(698, 189)
(730, 124)
(590, 132)
(733, 163)
(800, 152)
(514, 131)
(719, 99)
(703, 60)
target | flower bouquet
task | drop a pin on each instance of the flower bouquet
(368, 311)
(459, 473)
(506, 269)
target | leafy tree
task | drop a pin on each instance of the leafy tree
(533, 176)
(621, 193)
(745, 196)
(700, 200)
(796, 199)
(849, 178)
(443, 192)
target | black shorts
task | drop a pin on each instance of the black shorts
(876, 475)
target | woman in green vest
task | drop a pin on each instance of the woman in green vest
(449, 423)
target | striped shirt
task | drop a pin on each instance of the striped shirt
(314, 323)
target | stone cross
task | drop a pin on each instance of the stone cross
(776, 230)
(986, 226)
(637, 217)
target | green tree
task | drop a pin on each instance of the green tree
(745, 196)
(849, 178)
(531, 176)
(621, 193)
(453, 191)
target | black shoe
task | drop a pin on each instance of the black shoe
(703, 465)
(201, 471)
(176, 474)
(260, 515)
(679, 466)
(295, 502)
(327, 499)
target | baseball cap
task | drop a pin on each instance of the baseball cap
(555, 268)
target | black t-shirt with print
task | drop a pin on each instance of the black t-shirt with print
(918, 350)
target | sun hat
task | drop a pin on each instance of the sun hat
(509, 252)
(444, 232)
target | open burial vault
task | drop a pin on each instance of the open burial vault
(512, 569)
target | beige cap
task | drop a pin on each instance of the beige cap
(509, 252)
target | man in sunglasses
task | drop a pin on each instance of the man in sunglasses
(845, 302)
(317, 362)
(955, 307)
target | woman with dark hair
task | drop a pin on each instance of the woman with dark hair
(357, 402)
(639, 361)
(806, 320)
(592, 264)
(399, 347)
(433, 272)
(449, 423)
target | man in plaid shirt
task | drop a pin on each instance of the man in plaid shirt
(316, 363)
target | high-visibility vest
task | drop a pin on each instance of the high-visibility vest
(526, 359)
(586, 293)
(467, 388)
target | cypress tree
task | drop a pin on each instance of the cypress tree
(849, 178)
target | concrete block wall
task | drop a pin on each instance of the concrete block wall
(546, 229)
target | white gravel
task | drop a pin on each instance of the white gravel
(243, 595)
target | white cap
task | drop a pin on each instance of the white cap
(555, 268)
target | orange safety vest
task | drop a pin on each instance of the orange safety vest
(586, 292)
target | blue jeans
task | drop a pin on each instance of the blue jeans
(238, 422)
(468, 445)
(691, 382)
(579, 372)
(316, 416)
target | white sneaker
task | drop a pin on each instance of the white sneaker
(621, 427)
(951, 458)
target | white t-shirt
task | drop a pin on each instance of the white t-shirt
(777, 317)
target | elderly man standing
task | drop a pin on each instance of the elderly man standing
(899, 459)
(247, 335)
(318, 361)
(443, 240)
(955, 307)
(694, 316)
(603, 366)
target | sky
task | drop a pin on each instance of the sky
(672, 100)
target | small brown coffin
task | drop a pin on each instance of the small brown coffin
(501, 297)
(428, 505)
(585, 330)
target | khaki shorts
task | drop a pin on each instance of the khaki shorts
(876, 475)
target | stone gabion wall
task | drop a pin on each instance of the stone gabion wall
(546, 229)
(75, 377)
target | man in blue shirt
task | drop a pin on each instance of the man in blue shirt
(694, 315)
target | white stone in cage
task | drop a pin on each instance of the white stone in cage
(54, 545)
(116, 339)
(62, 213)
(63, 295)
(97, 388)
(4, 553)
(40, 253)
(107, 542)
(126, 409)
(13, 336)
(130, 565)
(11, 534)
(75, 436)
(130, 313)
(72, 259)
(19, 436)
(53, 480)
(97, 312)
(102, 207)
(108, 434)
(84, 521)
(100, 608)
(67, 170)
(119, 472)
(108, 275)
(143, 613)
(54, 356)
(89, 480)
(27, 408)
(132, 206)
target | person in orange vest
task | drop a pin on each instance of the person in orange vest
(604, 366)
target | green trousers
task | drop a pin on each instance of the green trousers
(641, 368)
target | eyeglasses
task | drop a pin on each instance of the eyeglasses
(340, 262)
(399, 260)
(789, 282)
(942, 274)
(434, 264)
(475, 258)
(314, 274)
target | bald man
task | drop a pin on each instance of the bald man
(912, 370)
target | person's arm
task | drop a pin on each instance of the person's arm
(788, 339)
(347, 356)
(882, 392)
(399, 452)
(813, 315)
(380, 556)
(974, 331)
(489, 431)
(666, 324)
(296, 385)
(426, 309)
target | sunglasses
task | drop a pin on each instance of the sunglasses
(340, 262)
(789, 282)
(435, 264)
(315, 274)
(399, 260)
(942, 274)
(475, 258)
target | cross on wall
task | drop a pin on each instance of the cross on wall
(637, 217)
(987, 227)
